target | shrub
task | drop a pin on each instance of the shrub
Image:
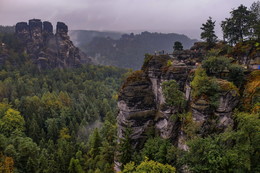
(173, 96)
(216, 65)
(236, 74)
(202, 85)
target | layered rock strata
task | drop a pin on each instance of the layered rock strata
(142, 104)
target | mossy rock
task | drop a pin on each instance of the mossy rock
(137, 91)
(201, 104)
(143, 114)
(156, 62)
(136, 76)
(225, 85)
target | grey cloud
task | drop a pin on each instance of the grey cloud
(180, 16)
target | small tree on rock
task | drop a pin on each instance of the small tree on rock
(208, 33)
(177, 46)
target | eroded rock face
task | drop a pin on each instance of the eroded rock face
(136, 107)
(215, 120)
(141, 102)
(142, 105)
(46, 49)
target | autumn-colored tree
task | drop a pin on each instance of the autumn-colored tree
(12, 120)
(6, 164)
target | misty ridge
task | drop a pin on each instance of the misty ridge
(122, 49)
(125, 50)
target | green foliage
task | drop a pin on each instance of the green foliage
(156, 149)
(75, 166)
(208, 33)
(148, 166)
(239, 26)
(236, 74)
(125, 147)
(255, 9)
(177, 46)
(174, 97)
(216, 65)
(251, 95)
(189, 126)
(232, 151)
(11, 121)
(56, 109)
(95, 143)
(204, 86)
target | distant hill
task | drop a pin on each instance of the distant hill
(6, 29)
(84, 37)
(128, 50)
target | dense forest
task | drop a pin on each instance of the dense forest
(47, 116)
(65, 119)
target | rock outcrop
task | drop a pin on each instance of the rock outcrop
(46, 49)
(142, 104)
(218, 119)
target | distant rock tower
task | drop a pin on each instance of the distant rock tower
(46, 49)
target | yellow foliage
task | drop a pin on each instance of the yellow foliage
(6, 164)
(256, 108)
(251, 88)
(64, 133)
(65, 99)
(227, 86)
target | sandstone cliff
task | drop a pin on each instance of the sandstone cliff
(142, 104)
(46, 49)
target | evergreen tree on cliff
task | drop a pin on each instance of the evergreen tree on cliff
(255, 9)
(240, 26)
(208, 33)
(177, 46)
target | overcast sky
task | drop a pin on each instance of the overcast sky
(178, 16)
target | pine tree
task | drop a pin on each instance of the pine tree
(239, 26)
(177, 46)
(125, 147)
(208, 32)
(255, 9)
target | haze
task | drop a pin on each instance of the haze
(177, 16)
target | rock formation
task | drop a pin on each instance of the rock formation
(142, 104)
(46, 49)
